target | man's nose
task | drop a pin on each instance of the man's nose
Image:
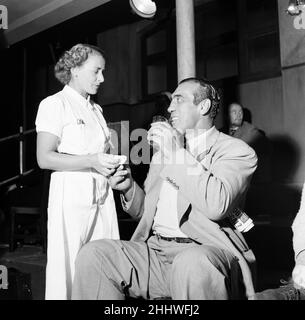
(171, 107)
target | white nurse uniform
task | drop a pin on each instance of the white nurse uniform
(81, 206)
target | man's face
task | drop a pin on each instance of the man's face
(236, 115)
(184, 113)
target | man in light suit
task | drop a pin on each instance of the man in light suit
(184, 246)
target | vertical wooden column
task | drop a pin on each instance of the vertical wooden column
(186, 60)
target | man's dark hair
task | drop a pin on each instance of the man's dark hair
(205, 91)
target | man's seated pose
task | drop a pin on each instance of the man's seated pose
(184, 246)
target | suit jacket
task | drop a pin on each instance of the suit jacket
(248, 133)
(209, 187)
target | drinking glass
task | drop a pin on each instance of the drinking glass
(159, 118)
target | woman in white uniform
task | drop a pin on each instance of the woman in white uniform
(72, 140)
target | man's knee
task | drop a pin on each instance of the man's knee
(203, 258)
(89, 272)
(200, 273)
(91, 253)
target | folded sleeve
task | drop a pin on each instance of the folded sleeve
(127, 204)
(134, 207)
(50, 116)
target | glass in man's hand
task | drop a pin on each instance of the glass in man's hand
(159, 118)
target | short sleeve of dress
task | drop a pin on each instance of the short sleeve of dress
(50, 116)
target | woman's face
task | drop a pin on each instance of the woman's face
(87, 78)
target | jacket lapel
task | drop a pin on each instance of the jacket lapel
(155, 168)
(203, 150)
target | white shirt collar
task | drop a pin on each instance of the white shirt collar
(72, 92)
(196, 140)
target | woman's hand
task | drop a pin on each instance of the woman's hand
(49, 158)
(105, 164)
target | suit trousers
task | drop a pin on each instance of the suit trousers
(115, 269)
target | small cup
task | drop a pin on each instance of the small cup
(122, 158)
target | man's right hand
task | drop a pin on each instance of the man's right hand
(122, 181)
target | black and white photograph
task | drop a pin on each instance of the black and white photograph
(152, 152)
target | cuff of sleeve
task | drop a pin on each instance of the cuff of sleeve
(49, 130)
(300, 258)
(126, 204)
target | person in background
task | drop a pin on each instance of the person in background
(184, 246)
(72, 140)
(239, 128)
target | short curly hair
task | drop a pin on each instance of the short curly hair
(72, 58)
(205, 91)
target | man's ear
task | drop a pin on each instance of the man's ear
(205, 106)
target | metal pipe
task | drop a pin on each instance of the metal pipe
(22, 142)
(15, 177)
(21, 150)
(17, 135)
